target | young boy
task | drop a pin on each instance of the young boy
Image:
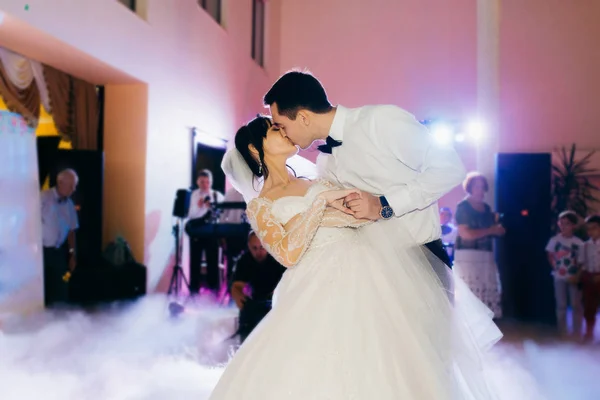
(590, 276)
(565, 253)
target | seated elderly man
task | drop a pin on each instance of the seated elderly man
(59, 222)
(258, 271)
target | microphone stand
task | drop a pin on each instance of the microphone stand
(178, 279)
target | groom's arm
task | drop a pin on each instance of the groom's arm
(439, 168)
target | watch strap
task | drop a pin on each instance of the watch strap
(383, 201)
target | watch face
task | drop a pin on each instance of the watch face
(387, 212)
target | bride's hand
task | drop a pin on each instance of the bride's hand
(335, 199)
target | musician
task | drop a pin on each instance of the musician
(200, 209)
(260, 272)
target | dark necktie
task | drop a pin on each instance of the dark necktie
(330, 143)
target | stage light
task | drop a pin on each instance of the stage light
(476, 129)
(443, 133)
(452, 130)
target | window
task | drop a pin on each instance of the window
(258, 31)
(213, 8)
(129, 4)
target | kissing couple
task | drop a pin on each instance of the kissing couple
(366, 308)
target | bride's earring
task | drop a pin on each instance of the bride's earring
(259, 168)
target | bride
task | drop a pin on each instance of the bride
(355, 316)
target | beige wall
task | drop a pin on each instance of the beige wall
(125, 163)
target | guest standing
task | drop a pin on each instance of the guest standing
(473, 256)
(590, 276)
(449, 231)
(59, 223)
(565, 254)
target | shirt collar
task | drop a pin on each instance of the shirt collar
(57, 198)
(337, 126)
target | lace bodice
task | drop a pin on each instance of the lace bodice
(286, 208)
(288, 225)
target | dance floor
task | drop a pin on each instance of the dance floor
(139, 353)
(531, 363)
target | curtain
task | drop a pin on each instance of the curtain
(18, 87)
(60, 93)
(72, 102)
(85, 115)
(74, 105)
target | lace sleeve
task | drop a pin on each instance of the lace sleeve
(333, 218)
(286, 244)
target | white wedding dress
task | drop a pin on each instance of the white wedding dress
(361, 315)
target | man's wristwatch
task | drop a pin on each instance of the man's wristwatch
(386, 211)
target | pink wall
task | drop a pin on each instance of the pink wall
(197, 74)
(549, 70)
(418, 54)
(422, 55)
(413, 53)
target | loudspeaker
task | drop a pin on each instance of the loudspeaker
(181, 205)
(89, 165)
(523, 196)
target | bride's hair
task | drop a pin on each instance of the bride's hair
(254, 133)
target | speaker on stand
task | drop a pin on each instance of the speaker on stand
(523, 197)
(181, 206)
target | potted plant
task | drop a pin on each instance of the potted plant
(572, 188)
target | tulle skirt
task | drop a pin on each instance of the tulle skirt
(365, 316)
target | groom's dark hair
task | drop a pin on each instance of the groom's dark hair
(295, 91)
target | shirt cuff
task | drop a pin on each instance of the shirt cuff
(402, 200)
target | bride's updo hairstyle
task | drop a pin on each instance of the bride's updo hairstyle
(254, 133)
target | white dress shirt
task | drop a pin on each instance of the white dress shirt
(59, 217)
(386, 151)
(450, 237)
(197, 207)
(592, 256)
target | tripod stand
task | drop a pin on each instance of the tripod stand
(178, 278)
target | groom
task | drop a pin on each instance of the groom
(381, 150)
